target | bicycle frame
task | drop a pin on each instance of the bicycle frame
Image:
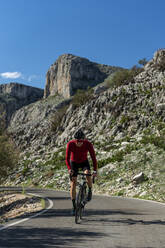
(81, 196)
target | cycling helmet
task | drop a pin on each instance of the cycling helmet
(79, 134)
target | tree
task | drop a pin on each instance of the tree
(2, 119)
(142, 62)
(123, 77)
(8, 152)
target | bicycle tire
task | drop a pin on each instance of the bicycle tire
(83, 200)
(81, 204)
(78, 211)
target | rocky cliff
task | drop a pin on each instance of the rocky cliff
(70, 73)
(13, 96)
(125, 110)
(125, 123)
(114, 112)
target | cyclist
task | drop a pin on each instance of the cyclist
(76, 158)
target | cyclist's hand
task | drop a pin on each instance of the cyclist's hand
(94, 173)
(71, 172)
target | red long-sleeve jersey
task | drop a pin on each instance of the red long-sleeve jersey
(77, 151)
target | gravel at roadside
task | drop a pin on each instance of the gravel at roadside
(13, 205)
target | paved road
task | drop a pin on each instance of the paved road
(110, 222)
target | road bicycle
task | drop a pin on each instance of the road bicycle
(81, 198)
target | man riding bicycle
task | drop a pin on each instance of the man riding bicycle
(76, 158)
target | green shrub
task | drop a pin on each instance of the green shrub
(117, 156)
(160, 126)
(142, 62)
(120, 193)
(81, 97)
(2, 119)
(158, 141)
(8, 155)
(57, 161)
(25, 167)
(125, 119)
(57, 118)
(123, 77)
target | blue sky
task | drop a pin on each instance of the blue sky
(34, 33)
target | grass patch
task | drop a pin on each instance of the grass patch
(122, 77)
(158, 141)
(82, 97)
(57, 162)
(43, 204)
(57, 118)
(8, 154)
(118, 156)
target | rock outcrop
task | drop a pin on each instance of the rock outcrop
(125, 123)
(70, 73)
(127, 110)
(13, 96)
(154, 70)
(21, 91)
(30, 126)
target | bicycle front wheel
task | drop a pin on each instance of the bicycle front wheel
(78, 212)
(83, 200)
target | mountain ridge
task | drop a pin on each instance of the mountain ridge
(14, 96)
(125, 124)
(70, 73)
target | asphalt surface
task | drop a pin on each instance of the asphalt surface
(110, 222)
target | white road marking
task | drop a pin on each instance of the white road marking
(33, 216)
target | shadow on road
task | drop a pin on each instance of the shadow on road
(99, 217)
(116, 222)
(88, 213)
(91, 216)
(96, 217)
(47, 237)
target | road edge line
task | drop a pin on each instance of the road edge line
(33, 216)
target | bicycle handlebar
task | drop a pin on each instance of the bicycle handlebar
(84, 174)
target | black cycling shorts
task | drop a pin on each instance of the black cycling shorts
(76, 166)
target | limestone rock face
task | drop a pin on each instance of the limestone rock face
(154, 70)
(21, 91)
(114, 112)
(13, 96)
(159, 58)
(70, 73)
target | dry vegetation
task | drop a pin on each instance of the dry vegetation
(14, 205)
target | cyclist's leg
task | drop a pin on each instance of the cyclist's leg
(73, 187)
(89, 178)
(89, 182)
(86, 169)
(73, 182)
(73, 193)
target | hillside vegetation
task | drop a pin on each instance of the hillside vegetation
(8, 153)
(125, 122)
